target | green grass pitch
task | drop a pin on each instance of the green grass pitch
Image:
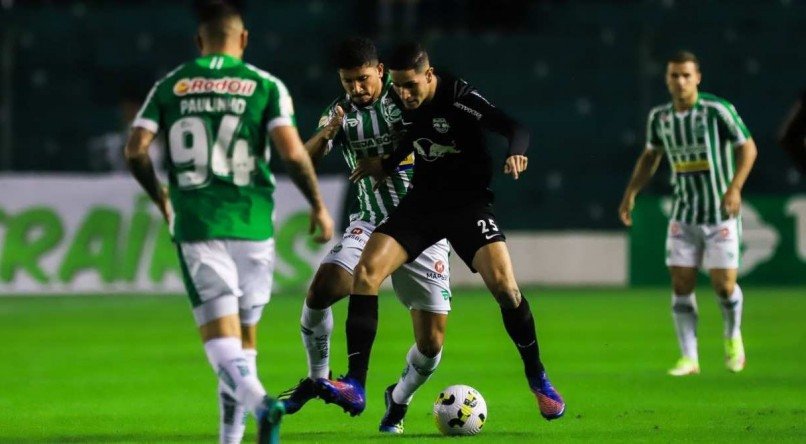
(132, 369)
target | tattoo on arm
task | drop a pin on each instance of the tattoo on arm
(304, 177)
(140, 164)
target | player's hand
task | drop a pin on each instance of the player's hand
(333, 125)
(625, 210)
(369, 167)
(515, 165)
(732, 201)
(321, 227)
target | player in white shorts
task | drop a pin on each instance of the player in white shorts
(219, 202)
(365, 123)
(711, 153)
(421, 285)
(703, 246)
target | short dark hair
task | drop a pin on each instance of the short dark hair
(409, 55)
(215, 15)
(354, 52)
(684, 56)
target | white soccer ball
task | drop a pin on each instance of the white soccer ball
(460, 410)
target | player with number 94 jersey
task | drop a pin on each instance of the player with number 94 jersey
(216, 112)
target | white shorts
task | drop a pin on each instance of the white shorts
(227, 276)
(423, 284)
(706, 246)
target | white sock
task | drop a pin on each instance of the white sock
(232, 415)
(317, 326)
(232, 367)
(684, 312)
(732, 312)
(419, 368)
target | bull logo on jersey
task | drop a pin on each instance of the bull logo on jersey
(441, 125)
(356, 231)
(431, 151)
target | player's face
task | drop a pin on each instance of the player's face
(412, 87)
(682, 80)
(362, 84)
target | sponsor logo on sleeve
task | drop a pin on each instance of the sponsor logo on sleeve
(468, 110)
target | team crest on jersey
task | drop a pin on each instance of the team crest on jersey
(439, 266)
(441, 125)
(699, 128)
(390, 110)
(227, 85)
(352, 123)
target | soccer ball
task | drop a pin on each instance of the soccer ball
(460, 410)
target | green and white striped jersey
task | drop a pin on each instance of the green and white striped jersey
(216, 112)
(699, 145)
(372, 131)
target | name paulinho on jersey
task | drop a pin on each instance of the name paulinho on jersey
(371, 131)
(216, 112)
(699, 145)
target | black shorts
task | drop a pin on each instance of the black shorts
(416, 227)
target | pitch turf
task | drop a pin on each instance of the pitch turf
(131, 369)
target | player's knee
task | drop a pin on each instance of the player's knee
(724, 289)
(366, 278)
(682, 286)
(508, 297)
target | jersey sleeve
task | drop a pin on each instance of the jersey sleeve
(150, 113)
(653, 140)
(280, 107)
(471, 103)
(730, 125)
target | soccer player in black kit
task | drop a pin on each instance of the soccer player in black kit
(444, 120)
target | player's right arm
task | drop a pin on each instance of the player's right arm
(321, 142)
(142, 168)
(144, 130)
(300, 167)
(644, 169)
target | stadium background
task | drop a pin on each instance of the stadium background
(581, 74)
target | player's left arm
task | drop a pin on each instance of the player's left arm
(142, 168)
(745, 157)
(490, 117)
(300, 168)
(745, 153)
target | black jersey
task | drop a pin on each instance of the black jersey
(452, 164)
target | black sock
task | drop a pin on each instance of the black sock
(520, 325)
(362, 324)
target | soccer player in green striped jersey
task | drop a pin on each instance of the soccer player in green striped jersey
(711, 153)
(220, 115)
(364, 124)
